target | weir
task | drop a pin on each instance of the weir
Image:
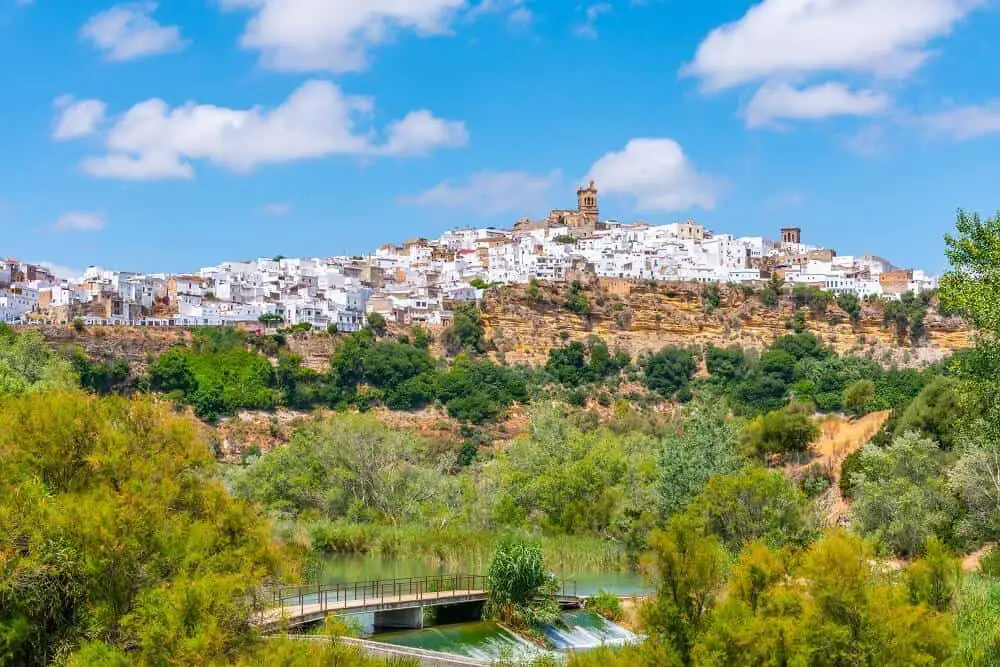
(292, 606)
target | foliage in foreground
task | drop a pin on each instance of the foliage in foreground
(114, 538)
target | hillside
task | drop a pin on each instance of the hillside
(522, 325)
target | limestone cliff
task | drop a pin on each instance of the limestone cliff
(523, 324)
(638, 317)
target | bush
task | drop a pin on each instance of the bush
(668, 370)
(815, 481)
(780, 432)
(605, 604)
(518, 587)
(936, 412)
(576, 300)
(850, 305)
(711, 297)
(858, 396)
(989, 564)
(466, 333)
(376, 322)
(848, 469)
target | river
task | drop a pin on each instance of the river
(367, 568)
(485, 640)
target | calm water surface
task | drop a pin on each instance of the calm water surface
(365, 568)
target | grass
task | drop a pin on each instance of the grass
(452, 548)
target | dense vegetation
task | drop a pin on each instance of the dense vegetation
(742, 578)
(117, 547)
(123, 542)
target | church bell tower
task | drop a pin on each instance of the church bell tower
(586, 203)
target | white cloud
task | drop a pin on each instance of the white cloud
(792, 38)
(967, 122)
(128, 31)
(589, 26)
(81, 221)
(59, 271)
(869, 141)
(336, 35)
(517, 12)
(154, 141)
(420, 131)
(490, 192)
(657, 174)
(276, 208)
(77, 118)
(779, 101)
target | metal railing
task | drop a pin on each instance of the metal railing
(362, 595)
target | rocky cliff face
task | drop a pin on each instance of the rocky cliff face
(138, 346)
(524, 323)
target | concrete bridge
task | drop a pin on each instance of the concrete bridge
(395, 603)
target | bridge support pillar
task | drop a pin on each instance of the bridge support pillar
(400, 619)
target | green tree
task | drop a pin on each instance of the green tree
(702, 445)
(576, 299)
(376, 322)
(466, 332)
(113, 533)
(479, 390)
(172, 372)
(727, 366)
(849, 304)
(668, 370)
(935, 578)
(518, 587)
(770, 295)
(784, 431)
(936, 412)
(830, 607)
(100, 378)
(756, 504)
(271, 319)
(901, 497)
(689, 567)
(858, 396)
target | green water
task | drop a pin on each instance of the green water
(481, 640)
(367, 568)
(484, 640)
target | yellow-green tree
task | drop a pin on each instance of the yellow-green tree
(114, 540)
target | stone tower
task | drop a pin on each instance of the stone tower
(586, 204)
(791, 235)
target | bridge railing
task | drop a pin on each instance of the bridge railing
(369, 593)
(359, 595)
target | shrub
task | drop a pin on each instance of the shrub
(790, 429)
(518, 587)
(668, 370)
(606, 604)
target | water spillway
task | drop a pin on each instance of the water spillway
(490, 642)
(585, 630)
(481, 640)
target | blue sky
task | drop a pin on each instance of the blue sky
(171, 136)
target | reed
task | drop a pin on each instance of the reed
(455, 548)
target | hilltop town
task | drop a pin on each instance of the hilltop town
(415, 282)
